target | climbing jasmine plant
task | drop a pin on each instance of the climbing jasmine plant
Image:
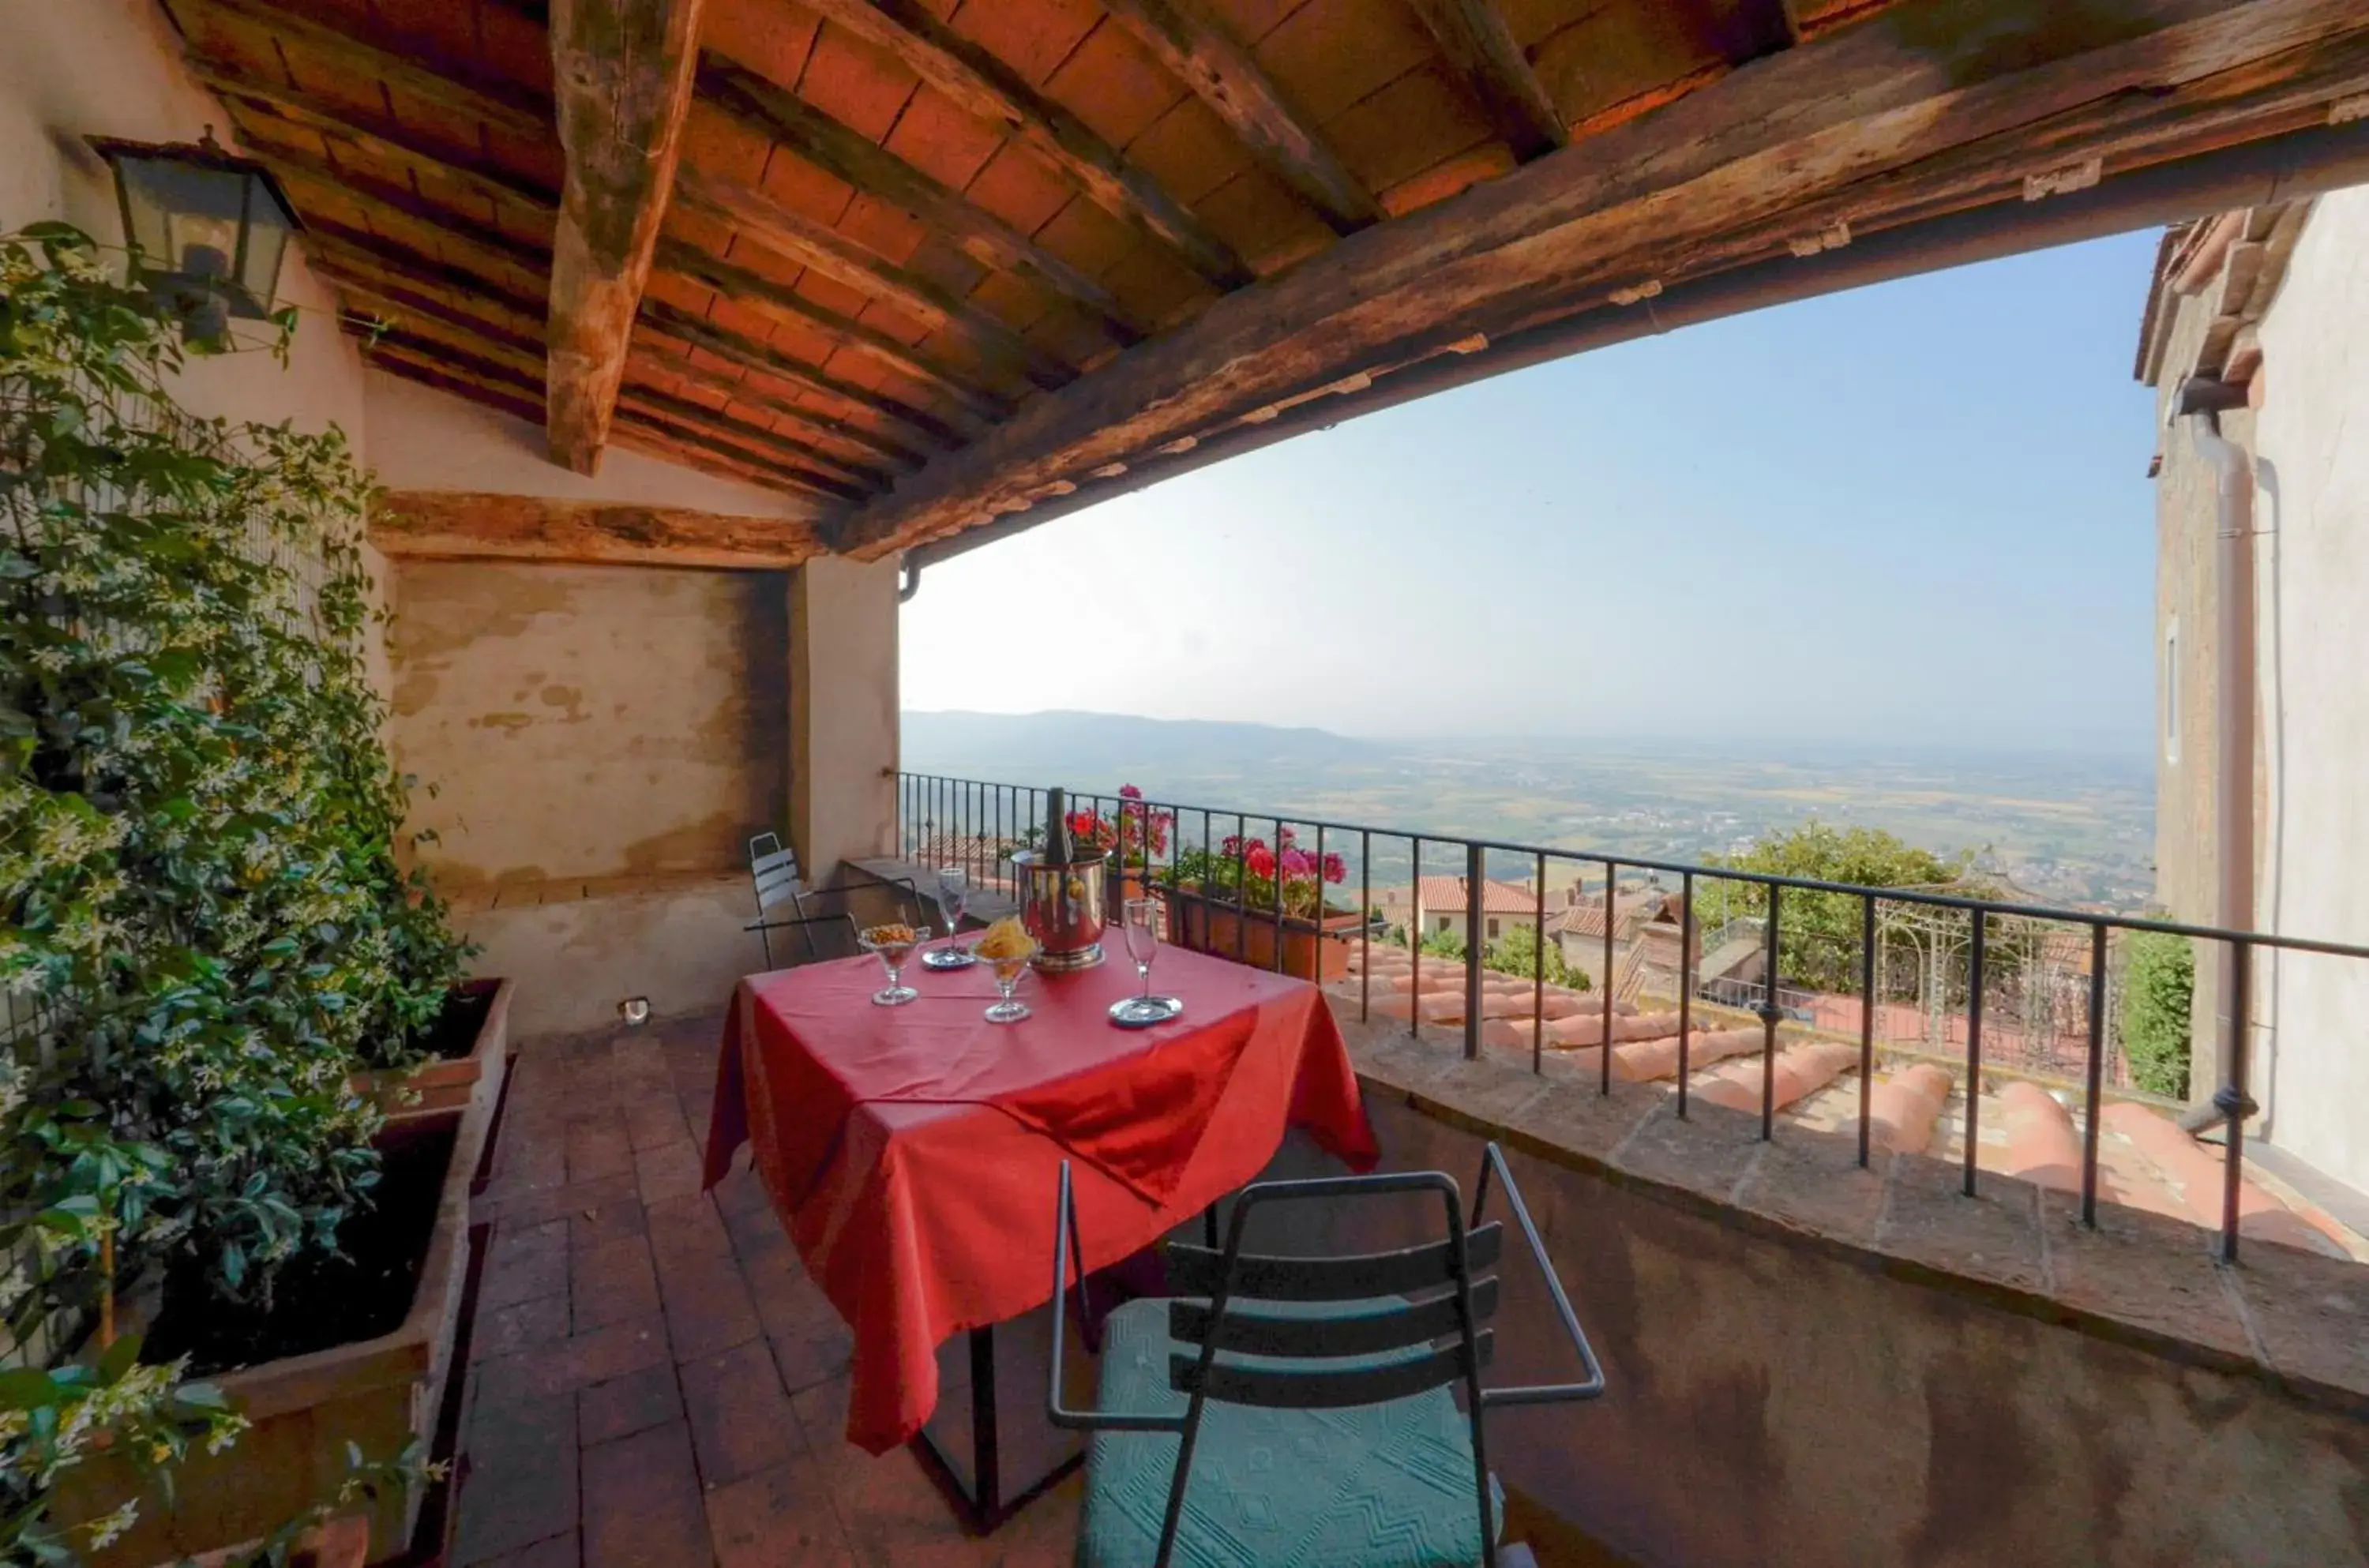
(204, 926)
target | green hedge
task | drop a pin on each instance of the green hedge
(2158, 986)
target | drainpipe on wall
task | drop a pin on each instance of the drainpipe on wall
(912, 565)
(2202, 401)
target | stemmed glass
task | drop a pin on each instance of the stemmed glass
(1142, 931)
(1008, 968)
(954, 888)
(892, 944)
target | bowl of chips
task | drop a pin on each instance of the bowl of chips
(892, 943)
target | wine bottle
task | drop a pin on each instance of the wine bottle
(1058, 850)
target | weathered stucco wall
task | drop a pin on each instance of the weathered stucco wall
(1780, 1394)
(845, 735)
(604, 741)
(2312, 444)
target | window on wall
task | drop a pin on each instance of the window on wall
(2169, 685)
(1443, 923)
(1493, 930)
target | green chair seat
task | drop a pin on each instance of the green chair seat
(1368, 1486)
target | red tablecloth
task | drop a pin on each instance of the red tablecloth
(913, 1152)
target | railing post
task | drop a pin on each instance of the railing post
(1539, 968)
(1365, 925)
(1604, 1046)
(1770, 1013)
(2232, 1100)
(1866, 1023)
(1974, 1044)
(1686, 979)
(2095, 1074)
(1415, 939)
(1476, 865)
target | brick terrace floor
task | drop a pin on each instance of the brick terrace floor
(653, 1379)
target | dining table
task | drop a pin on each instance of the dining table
(912, 1152)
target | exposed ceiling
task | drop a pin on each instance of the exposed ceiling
(931, 264)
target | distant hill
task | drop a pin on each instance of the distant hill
(1106, 750)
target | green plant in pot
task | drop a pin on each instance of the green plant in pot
(204, 925)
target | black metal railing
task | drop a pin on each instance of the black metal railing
(976, 825)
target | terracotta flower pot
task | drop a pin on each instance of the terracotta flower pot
(382, 1393)
(1310, 951)
(453, 1082)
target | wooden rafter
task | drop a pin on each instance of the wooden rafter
(678, 360)
(1481, 48)
(379, 199)
(521, 396)
(757, 292)
(491, 322)
(824, 248)
(449, 525)
(750, 354)
(987, 87)
(410, 66)
(625, 71)
(374, 136)
(1872, 123)
(340, 249)
(1196, 49)
(1758, 27)
(779, 115)
(714, 424)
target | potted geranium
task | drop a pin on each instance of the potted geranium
(1238, 899)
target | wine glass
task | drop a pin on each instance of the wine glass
(1141, 927)
(1008, 968)
(892, 944)
(954, 889)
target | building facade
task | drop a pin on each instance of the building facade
(2266, 312)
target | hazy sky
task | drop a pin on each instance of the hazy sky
(1918, 511)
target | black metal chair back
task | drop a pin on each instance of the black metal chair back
(1419, 1323)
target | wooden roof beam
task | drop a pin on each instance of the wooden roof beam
(780, 115)
(381, 200)
(753, 290)
(1845, 127)
(973, 78)
(1482, 50)
(1196, 49)
(410, 66)
(824, 248)
(625, 71)
(441, 525)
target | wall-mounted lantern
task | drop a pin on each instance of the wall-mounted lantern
(208, 229)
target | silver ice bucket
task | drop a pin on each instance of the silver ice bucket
(1061, 906)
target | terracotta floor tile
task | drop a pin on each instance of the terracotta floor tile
(612, 1282)
(524, 1262)
(778, 1516)
(505, 1330)
(707, 1306)
(551, 1551)
(621, 1406)
(641, 1506)
(740, 1416)
(579, 1361)
(669, 1171)
(520, 1486)
(598, 1147)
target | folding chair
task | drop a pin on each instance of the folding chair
(774, 871)
(1320, 1412)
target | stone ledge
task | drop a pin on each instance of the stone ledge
(2290, 1320)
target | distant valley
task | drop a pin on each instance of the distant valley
(2059, 827)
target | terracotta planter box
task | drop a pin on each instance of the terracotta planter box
(455, 1083)
(382, 1393)
(342, 1542)
(1309, 952)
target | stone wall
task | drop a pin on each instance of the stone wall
(603, 742)
(1813, 1364)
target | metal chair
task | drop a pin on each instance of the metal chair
(1336, 1438)
(774, 871)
